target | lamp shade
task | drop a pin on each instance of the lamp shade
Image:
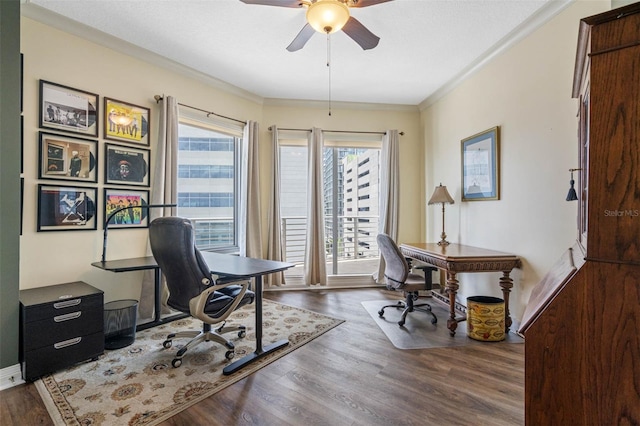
(327, 16)
(441, 195)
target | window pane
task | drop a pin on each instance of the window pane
(351, 193)
(207, 174)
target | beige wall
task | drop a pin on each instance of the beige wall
(527, 92)
(55, 257)
(49, 54)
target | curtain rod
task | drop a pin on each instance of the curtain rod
(336, 131)
(158, 98)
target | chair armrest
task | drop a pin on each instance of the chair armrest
(198, 303)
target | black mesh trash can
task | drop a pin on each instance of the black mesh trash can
(120, 318)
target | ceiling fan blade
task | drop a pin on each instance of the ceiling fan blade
(301, 39)
(279, 3)
(360, 34)
(365, 3)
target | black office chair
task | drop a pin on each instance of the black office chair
(399, 277)
(192, 287)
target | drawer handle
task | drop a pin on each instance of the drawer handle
(67, 343)
(67, 303)
(67, 317)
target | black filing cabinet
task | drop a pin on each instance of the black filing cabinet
(60, 325)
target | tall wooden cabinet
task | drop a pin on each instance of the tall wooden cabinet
(582, 323)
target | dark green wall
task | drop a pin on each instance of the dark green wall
(9, 179)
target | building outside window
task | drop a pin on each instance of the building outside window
(208, 176)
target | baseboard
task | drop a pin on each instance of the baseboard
(10, 377)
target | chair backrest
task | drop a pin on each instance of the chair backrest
(173, 246)
(396, 267)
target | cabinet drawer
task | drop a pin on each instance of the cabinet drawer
(62, 307)
(46, 332)
(60, 355)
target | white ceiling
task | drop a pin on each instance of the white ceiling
(425, 47)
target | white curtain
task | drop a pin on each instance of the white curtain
(164, 188)
(389, 192)
(315, 268)
(274, 237)
(250, 238)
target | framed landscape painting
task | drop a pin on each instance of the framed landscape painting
(125, 122)
(480, 166)
(67, 109)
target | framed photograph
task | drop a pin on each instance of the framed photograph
(125, 165)
(126, 122)
(481, 166)
(67, 109)
(68, 158)
(66, 208)
(131, 216)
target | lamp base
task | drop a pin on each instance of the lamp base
(443, 243)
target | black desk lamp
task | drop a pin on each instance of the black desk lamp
(118, 210)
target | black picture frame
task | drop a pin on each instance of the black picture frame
(66, 208)
(66, 109)
(126, 122)
(69, 158)
(115, 198)
(126, 165)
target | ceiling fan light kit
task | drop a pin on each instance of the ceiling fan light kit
(327, 16)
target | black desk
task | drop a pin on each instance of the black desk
(221, 264)
(141, 264)
(237, 266)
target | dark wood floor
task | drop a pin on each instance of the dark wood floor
(352, 375)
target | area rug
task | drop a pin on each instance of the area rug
(137, 385)
(418, 332)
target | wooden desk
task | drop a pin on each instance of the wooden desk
(456, 258)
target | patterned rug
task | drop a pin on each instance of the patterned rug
(137, 385)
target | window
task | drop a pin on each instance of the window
(350, 190)
(208, 179)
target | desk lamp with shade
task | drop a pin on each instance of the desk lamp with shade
(441, 195)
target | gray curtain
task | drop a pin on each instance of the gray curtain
(250, 238)
(315, 268)
(164, 186)
(389, 192)
(274, 233)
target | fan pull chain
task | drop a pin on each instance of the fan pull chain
(329, 68)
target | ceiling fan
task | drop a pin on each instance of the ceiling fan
(328, 16)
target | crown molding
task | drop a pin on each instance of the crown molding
(62, 23)
(541, 17)
(300, 103)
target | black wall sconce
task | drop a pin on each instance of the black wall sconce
(572, 196)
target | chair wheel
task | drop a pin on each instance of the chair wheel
(242, 333)
(166, 344)
(381, 313)
(434, 320)
(229, 354)
(177, 362)
(400, 323)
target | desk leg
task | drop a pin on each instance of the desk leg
(260, 352)
(452, 290)
(157, 305)
(506, 283)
